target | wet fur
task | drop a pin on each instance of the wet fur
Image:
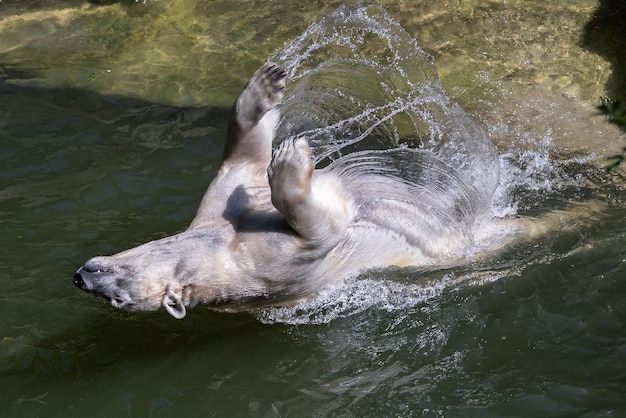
(271, 230)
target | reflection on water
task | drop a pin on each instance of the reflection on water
(97, 164)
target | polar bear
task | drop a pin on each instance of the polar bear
(272, 230)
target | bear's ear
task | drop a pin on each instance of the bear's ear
(174, 305)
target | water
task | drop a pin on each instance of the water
(98, 165)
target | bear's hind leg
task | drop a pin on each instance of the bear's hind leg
(315, 205)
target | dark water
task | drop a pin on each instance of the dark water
(90, 168)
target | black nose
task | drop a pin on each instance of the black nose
(78, 281)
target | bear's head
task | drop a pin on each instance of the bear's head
(158, 273)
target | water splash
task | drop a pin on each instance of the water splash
(359, 81)
(529, 175)
(352, 296)
(364, 94)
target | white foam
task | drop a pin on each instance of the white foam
(352, 296)
(530, 170)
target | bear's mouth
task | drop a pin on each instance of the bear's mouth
(93, 281)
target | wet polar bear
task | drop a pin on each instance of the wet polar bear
(271, 230)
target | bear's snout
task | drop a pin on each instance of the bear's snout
(101, 281)
(89, 276)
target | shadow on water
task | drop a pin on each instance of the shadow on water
(46, 129)
(605, 34)
(111, 110)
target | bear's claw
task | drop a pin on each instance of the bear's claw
(264, 91)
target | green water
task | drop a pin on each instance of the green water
(112, 120)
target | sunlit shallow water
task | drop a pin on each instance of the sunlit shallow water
(537, 332)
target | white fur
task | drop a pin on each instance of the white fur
(271, 231)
